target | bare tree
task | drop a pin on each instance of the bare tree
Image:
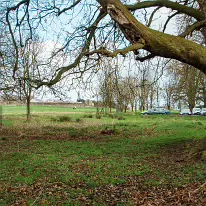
(168, 93)
(107, 84)
(29, 71)
(202, 90)
(132, 83)
(187, 84)
(21, 88)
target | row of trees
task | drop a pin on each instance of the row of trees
(180, 86)
(189, 85)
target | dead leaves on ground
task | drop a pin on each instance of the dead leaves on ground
(130, 193)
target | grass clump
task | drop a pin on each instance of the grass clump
(77, 132)
(113, 116)
(98, 116)
(65, 119)
(78, 120)
(88, 116)
(121, 117)
(116, 116)
(61, 119)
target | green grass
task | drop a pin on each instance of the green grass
(97, 161)
(44, 109)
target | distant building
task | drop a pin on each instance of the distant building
(36, 100)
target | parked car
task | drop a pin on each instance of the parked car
(164, 111)
(148, 112)
(156, 111)
(185, 112)
(196, 111)
(203, 112)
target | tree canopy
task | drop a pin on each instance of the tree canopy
(89, 30)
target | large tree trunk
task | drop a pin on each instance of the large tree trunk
(155, 42)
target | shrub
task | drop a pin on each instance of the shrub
(88, 116)
(121, 117)
(98, 116)
(111, 116)
(78, 120)
(74, 133)
(54, 119)
(64, 119)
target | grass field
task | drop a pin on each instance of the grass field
(44, 109)
(67, 157)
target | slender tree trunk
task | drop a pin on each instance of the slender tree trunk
(151, 101)
(110, 107)
(28, 106)
(143, 107)
(125, 108)
(168, 105)
(135, 106)
(191, 107)
(132, 107)
(158, 97)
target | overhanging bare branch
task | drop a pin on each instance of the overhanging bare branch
(168, 4)
(196, 26)
(123, 52)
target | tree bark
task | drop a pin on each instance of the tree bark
(132, 107)
(28, 108)
(125, 108)
(155, 42)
